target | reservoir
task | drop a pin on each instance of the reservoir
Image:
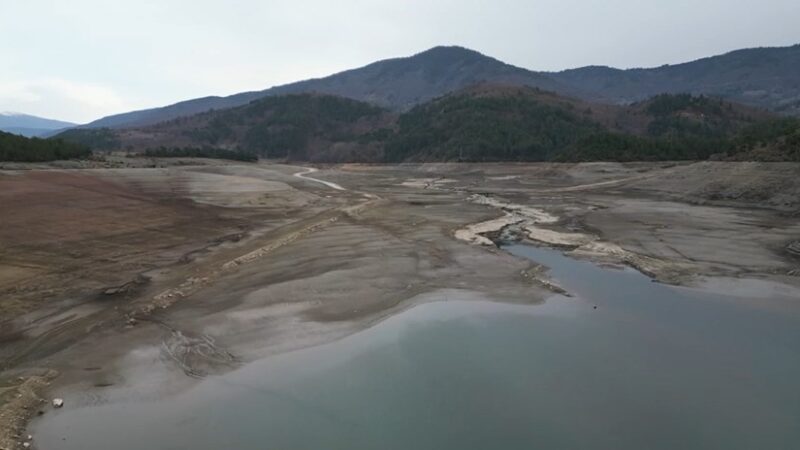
(625, 363)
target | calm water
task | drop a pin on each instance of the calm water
(653, 367)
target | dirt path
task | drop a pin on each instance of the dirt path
(601, 184)
(303, 174)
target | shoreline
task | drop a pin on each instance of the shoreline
(399, 233)
(428, 298)
(36, 386)
(525, 222)
(27, 399)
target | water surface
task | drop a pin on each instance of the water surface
(651, 367)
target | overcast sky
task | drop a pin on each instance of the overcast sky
(82, 59)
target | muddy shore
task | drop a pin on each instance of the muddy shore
(178, 271)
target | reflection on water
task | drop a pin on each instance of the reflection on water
(652, 367)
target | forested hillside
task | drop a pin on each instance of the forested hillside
(481, 123)
(500, 125)
(773, 140)
(18, 148)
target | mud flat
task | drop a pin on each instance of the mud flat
(171, 274)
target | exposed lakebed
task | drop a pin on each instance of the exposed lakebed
(624, 364)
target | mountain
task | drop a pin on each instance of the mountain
(401, 83)
(27, 125)
(397, 84)
(763, 77)
(485, 122)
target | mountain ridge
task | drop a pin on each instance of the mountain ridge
(361, 84)
(764, 76)
(483, 122)
(767, 77)
(29, 125)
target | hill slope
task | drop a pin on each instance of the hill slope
(295, 126)
(489, 123)
(773, 140)
(27, 125)
(19, 148)
(764, 77)
(396, 84)
(480, 123)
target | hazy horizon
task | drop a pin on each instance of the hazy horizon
(87, 59)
